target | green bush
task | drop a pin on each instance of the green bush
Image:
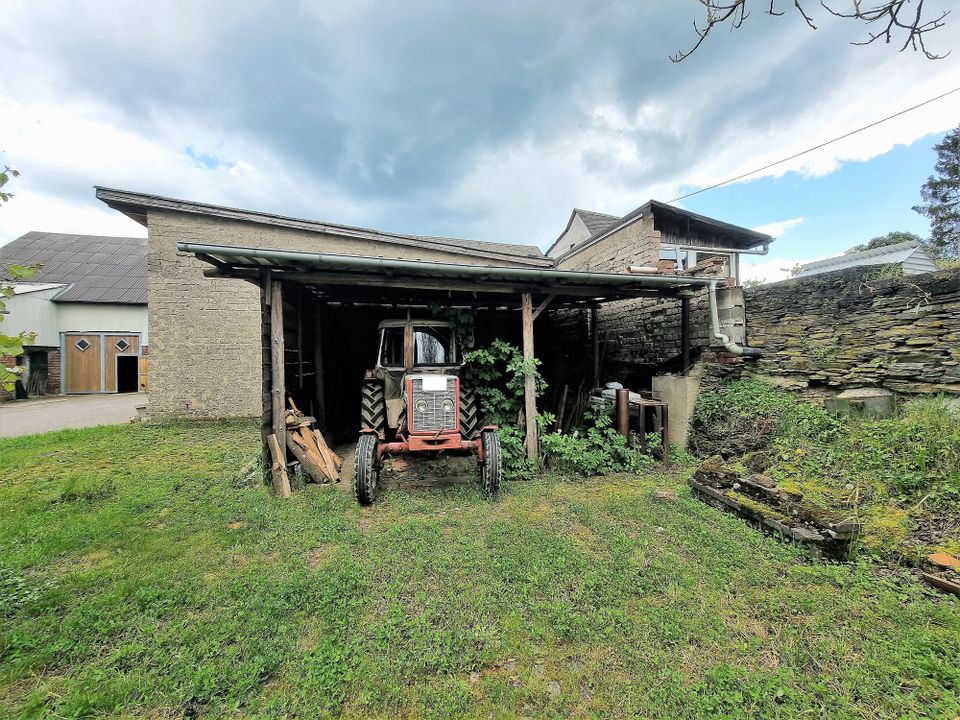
(496, 376)
(596, 449)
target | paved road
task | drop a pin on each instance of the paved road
(27, 417)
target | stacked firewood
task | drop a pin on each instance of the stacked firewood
(307, 445)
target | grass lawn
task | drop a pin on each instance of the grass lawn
(140, 578)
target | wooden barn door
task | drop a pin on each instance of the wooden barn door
(83, 355)
(117, 345)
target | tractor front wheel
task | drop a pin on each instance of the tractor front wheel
(491, 469)
(366, 471)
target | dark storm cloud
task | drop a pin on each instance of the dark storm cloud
(394, 103)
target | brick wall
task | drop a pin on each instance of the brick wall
(205, 346)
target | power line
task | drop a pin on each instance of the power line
(815, 147)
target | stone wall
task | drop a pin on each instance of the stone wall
(819, 335)
(205, 346)
(846, 329)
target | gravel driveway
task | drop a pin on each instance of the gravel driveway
(28, 417)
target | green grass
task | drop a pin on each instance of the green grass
(140, 578)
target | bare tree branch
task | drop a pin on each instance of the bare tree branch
(895, 17)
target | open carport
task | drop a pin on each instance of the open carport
(320, 312)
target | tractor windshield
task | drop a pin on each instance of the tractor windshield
(431, 346)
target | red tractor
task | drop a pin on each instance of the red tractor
(413, 403)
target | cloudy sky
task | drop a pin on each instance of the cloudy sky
(478, 119)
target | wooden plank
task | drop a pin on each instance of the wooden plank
(529, 381)
(938, 581)
(82, 366)
(277, 373)
(309, 463)
(278, 468)
(110, 352)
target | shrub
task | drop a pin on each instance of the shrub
(597, 449)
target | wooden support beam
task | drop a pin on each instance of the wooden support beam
(321, 411)
(278, 468)
(277, 370)
(543, 306)
(595, 344)
(529, 381)
(266, 402)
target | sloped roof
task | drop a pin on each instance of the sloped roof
(135, 206)
(596, 221)
(94, 268)
(885, 255)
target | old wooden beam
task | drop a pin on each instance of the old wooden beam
(278, 467)
(543, 306)
(321, 410)
(595, 344)
(277, 370)
(529, 380)
(266, 402)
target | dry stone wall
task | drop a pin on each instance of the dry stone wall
(849, 329)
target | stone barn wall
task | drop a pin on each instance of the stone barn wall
(847, 329)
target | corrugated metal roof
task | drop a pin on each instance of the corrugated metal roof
(885, 255)
(94, 268)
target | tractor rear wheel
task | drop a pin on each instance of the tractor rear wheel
(366, 470)
(373, 407)
(491, 470)
(469, 415)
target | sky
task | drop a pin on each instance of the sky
(478, 119)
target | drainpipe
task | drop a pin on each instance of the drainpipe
(728, 344)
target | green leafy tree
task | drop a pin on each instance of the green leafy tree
(12, 345)
(941, 198)
(891, 238)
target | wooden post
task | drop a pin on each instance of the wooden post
(278, 468)
(529, 381)
(595, 343)
(685, 333)
(321, 411)
(277, 375)
(266, 378)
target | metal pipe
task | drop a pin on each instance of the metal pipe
(387, 265)
(700, 248)
(728, 344)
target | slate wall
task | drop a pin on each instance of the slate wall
(850, 329)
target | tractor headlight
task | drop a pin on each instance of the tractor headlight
(447, 405)
(421, 406)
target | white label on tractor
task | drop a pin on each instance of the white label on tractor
(434, 383)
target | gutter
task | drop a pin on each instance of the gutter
(424, 267)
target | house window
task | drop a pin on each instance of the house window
(82, 345)
(122, 345)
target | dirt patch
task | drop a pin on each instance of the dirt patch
(236, 524)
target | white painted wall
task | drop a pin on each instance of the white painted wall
(34, 312)
(96, 317)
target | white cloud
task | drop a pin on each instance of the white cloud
(776, 229)
(28, 211)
